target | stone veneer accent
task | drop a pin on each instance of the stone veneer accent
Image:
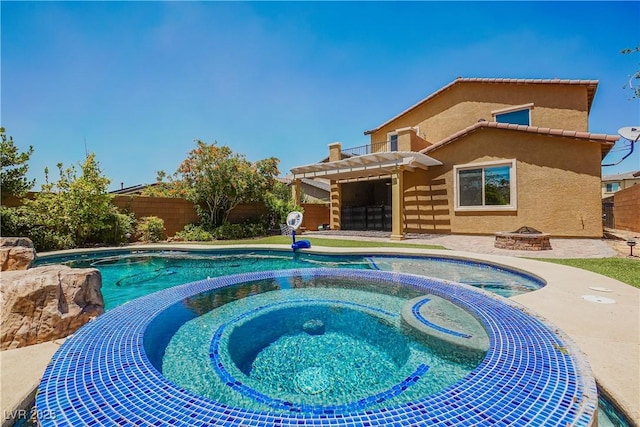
(522, 242)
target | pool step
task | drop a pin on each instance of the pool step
(445, 326)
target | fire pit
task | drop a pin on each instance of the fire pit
(524, 238)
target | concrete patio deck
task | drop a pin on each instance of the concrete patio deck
(609, 334)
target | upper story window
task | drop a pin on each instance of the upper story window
(517, 115)
(612, 186)
(485, 186)
(393, 141)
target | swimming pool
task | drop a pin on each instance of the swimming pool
(128, 274)
(107, 373)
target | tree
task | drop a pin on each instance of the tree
(76, 207)
(14, 168)
(216, 180)
(635, 76)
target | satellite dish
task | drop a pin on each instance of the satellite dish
(294, 219)
(632, 133)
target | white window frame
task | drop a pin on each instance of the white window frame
(513, 109)
(513, 206)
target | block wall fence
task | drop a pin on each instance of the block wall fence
(626, 208)
(177, 213)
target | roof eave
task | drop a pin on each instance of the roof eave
(606, 141)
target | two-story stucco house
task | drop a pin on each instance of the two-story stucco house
(477, 156)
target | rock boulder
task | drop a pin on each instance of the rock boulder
(45, 303)
(16, 253)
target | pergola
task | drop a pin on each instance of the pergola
(388, 164)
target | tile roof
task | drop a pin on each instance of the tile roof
(607, 141)
(622, 176)
(591, 90)
(322, 185)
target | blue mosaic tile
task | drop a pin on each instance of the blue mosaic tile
(416, 312)
(532, 374)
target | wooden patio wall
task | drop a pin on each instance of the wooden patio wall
(626, 208)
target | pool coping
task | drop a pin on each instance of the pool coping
(610, 338)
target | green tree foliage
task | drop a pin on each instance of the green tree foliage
(76, 209)
(162, 188)
(216, 180)
(150, 229)
(279, 203)
(635, 76)
(14, 167)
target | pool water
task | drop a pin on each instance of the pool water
(129, 275)
(312, 345)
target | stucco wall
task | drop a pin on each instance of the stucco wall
(555, 106)
(558, 190)
(626, 209)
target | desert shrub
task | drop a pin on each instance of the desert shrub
(12, 222)
(150, 229)
(23, 222)
(194, 233)
(229, 231)
(121, 225)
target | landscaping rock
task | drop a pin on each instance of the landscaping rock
(16, 253)
(45, 303)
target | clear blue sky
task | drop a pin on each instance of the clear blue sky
(139, 81)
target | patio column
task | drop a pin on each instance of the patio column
(335, 200)
(397, 204)
(296, 191)
(335, 196)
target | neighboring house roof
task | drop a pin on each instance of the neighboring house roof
(591, 90)
(324, 186)
(318, 184)
(606, 141)
(134, 189)
(622, 176)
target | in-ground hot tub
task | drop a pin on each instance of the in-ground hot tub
(524, 239)
(111, 372)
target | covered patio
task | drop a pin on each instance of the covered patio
(366, 190)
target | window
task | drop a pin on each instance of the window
(613, 186)
(488, 186)
(393, 142)
(519, 115)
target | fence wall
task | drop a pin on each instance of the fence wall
(176, 213)
(315, 214)
(627, 208)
